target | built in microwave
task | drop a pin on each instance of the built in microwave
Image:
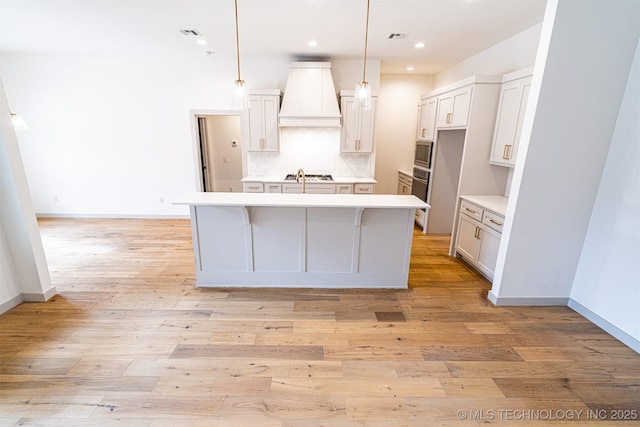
(422, 156)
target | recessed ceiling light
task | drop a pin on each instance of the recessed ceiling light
(202, 42)
(419, 45)
(312, 43)
(410, 68)
(208, 53)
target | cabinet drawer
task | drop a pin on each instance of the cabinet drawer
(469, 209)
(320, 188)
(344, 189)
(253, 187)
(493, 221)
(406, 180)
(273, 188)
(363, 188)
(292, 188)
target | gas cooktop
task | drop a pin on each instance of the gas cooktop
(310, 177)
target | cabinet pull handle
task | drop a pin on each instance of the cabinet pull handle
(506, 153)
(476, 233)
(424, 133)
(469, 210)
(495, 222)
(449, 115)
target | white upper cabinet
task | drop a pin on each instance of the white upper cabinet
(263, 120)
(453, 108)
(357, 134)
(427, 119)
(514, 94)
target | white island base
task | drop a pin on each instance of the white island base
(302, 240)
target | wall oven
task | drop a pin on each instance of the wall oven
(422, 155)
(420, 184)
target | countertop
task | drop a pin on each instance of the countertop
(390, 201)
(497, 204)
(336, 180)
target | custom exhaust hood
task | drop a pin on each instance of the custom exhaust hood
(310, 98)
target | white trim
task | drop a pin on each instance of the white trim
(610, 328)
(195, 138)
(9, 303)
(39, 297)
(113, 216)
(526, 301)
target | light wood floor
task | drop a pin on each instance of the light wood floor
(130, 341)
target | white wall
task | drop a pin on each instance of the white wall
(23, 266)
(512, 54)
(607, 281)
(396, 123)
(112, 135)
(576, 92)
(10, 290)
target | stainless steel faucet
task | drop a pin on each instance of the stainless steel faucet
(300, 174)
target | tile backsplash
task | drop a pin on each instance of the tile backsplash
(316, 150)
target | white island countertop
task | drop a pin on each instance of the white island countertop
(379, 201)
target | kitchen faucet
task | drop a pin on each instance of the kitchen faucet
(299, 174)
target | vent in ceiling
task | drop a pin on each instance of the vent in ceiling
(397, 36)
(190, 32)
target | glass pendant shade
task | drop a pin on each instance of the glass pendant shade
(362, 98)
(18, 122)
(240, 99)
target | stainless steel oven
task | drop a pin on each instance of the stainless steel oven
(422, 155)
(420, 184)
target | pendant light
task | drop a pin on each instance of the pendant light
(362, 99)
(240, 97)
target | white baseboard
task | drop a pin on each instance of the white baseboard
(112, 216)
(37, 297)
(527, 301)
(9, 303)
(613, 330)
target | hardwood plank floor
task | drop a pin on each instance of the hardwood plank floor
(131, 341)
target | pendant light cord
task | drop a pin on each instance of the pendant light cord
(237, 41)
(366, 40)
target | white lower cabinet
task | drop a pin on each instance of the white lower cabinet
(363, 188)
(253, 187)
(478, 237)
(310, 187)
(404, 183)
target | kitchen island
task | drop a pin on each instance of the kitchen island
(302, 240)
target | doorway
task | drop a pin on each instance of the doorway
(219, 152)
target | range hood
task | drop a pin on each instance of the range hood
(310, 97)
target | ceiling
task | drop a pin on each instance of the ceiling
(451, 29)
